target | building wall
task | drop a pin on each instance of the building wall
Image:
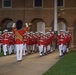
(23, 9)
(70, 3)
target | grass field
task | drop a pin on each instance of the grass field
(1, 54)
(65, 66)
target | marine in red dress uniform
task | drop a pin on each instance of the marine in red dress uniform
(12, 42)
(19, 38)
(6, 41)
(41, 43)
(60, 40)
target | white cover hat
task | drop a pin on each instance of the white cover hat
(5, 30)
(61, 30)
(11, 32)
(41, 32)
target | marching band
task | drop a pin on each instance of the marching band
(24, 42)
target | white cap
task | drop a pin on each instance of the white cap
(48, 33)
(52, 32)
(36, 32)
(41, 32)
(5, 30)
(11, 32)
(44, 33)
(61, 30)
(49, 30)
(31, 32)
(28, 33)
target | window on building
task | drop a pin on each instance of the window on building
(60, 3)
(7, 3)
(38, 3)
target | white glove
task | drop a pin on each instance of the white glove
(13, 25)
(26, 24)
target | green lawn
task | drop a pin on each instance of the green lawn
(65, 66)
(1, 54)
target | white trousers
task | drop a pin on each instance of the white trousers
(67, 50)
(44, 49)
(64, 48)
(51, 48)
(33, 47)
(10, 49)
(15, 50)
(0, 47)
(48, 48)
(19, 48)
(60, 49)
(5, 49)
(24, 49)
(40, 49)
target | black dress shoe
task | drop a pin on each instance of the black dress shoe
(45, 53)
(61, 55)
(40, 55)
(19, 61)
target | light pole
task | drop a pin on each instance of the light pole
(55, 17)
(55, 22)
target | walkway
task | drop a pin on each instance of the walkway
(31, 64)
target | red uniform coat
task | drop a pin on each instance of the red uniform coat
(21, 32)
(41, 41)
(6, 39)
(12, 40)
(1, 38)
(34, 39)
(60, 39)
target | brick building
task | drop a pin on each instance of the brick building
(40, 14)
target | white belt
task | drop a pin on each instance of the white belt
(5, 39)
